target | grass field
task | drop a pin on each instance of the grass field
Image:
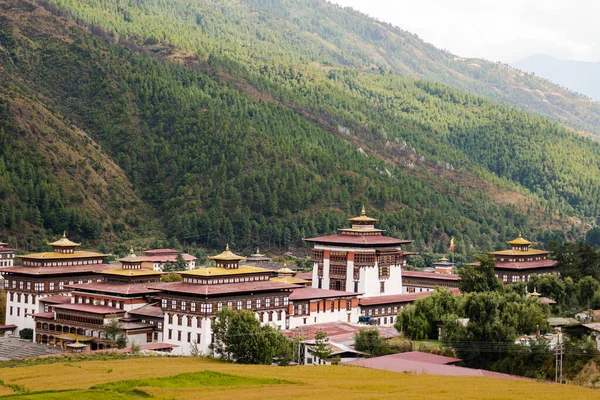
(197, 378)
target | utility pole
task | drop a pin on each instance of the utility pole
(299, 345)
(559, 351)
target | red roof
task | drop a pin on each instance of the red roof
(89, 308)
(427, 357)
(7, 327)
(157, 346)
(361, 240)
(340, 332)
(310, 293)
(57, 299)
(397, 298)
(131, 326)
(305, 275)
(430, 275)
(524, 265)
(48, 315)
(117, 288)
(168, 258)
(7, 249)
(216, 290)
(155, 252)
(150, 310)
(396, 363)
(41, 271)
(546, 300)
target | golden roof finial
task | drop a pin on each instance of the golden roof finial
(131, 250)
(64, 234)
(257, 250)
(363, 212)
(227, 247)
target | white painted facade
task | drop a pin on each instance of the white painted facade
(369, 281)
(7, 258)
(19, 307)
(312, 318)
(199, 334)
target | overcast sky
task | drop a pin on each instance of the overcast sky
(506, 30)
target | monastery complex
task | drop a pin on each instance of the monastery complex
(68, 297)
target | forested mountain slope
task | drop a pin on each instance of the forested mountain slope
(228, 142)
(263, 32)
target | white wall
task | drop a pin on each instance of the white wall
(21, 321)
(324, 317)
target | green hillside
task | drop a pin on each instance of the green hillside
(225, 132)
(272, 32)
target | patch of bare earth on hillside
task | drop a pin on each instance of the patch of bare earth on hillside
(74, 160)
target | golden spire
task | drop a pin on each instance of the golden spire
(363, 217)
(227, 255)
(520, 241)
(64, 242)
(131, 251)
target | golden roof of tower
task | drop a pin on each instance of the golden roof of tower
(363, 217)
(257, 254)
(2, 244)
(227, 256)
(132, 257)
(284, 270)
(64, 242)
(520, 241)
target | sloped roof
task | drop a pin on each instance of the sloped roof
(227, 255)
(64, 242)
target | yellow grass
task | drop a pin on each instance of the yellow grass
(5, 390)
(314, 382)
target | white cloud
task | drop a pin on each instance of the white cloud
(504, 30)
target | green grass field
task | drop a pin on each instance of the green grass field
(197, 378)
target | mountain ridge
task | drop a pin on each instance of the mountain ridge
(578, 76)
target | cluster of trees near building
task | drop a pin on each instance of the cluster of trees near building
(482, 325)
(260, 147)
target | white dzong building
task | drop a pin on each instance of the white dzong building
(359, 259)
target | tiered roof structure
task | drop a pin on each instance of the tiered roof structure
(362, 233)
(521, 261)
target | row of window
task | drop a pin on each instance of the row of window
(204, 281)
(523, 259)
(100, 301)
(188, 338)
(207, 308)
(411, 289)
(159, 324)
(7, 255)
(79, 318)
(519, 278)
(383, 311)
(18, 311)
(18, 297)
(44, 286)
(6, 263)
(28, 263)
